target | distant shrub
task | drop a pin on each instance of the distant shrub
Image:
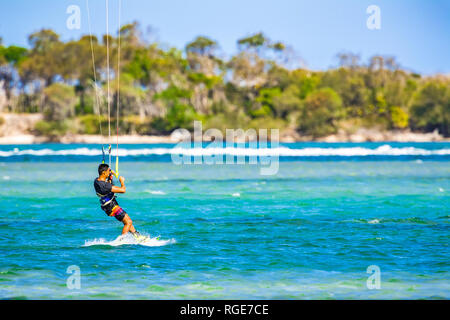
(399, 118)
(51, 128)
(227, 120)
(60, 101)
(320, 111)
(430, 108)
(136, 125)
(178, 116)
(267, 123)
(90, 124)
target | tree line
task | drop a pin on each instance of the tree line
(165, 88)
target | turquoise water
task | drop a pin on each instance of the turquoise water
(308, 232)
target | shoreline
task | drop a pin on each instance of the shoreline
(358, 137)
(17, 129)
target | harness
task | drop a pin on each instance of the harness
(106, 199)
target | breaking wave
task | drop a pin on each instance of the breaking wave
(128, 240)
(384, 150)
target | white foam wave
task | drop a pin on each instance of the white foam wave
(384, 150)
(128, 240)
(156, 192)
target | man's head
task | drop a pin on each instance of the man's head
(103, 170)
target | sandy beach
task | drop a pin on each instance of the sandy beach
(361, 136)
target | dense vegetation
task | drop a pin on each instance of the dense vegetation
(166, 88)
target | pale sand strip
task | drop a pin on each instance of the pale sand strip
(135, 139)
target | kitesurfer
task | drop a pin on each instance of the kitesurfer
(106, 191)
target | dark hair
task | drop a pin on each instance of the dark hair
(102, 168)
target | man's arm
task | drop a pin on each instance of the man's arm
(122, 188)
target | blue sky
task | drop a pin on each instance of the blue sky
(416, 32)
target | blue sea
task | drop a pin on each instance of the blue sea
(317, 228)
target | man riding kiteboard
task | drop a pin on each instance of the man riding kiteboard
(106, 191)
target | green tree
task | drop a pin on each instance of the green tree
(254, 42)
(13, 54)
(179, 113)
(306, 81)
(44, 59)
(430, 107)
(399, 118)
(265, 102)
(203, 46)
(288, 101)
(60, 101)
(320, 111)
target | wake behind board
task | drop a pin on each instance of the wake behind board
(128, 239)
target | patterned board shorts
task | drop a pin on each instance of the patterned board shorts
(114, 210)
(118, 213)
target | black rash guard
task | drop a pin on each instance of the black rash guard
(108, 200)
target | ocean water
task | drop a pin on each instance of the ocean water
(310, 231)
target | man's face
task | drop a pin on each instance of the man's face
(107, 173)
